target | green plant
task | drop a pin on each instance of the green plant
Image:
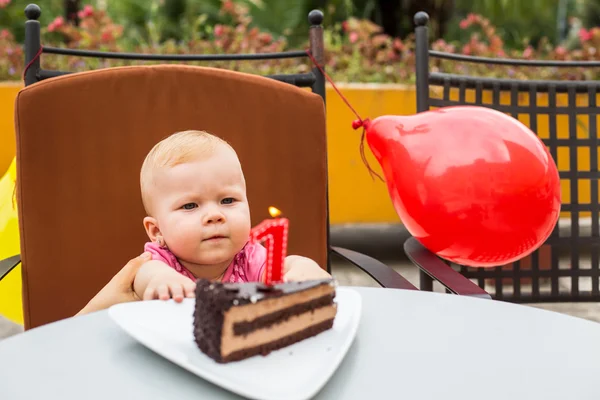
(591, 12)
(12, 56)
(517, 21)
(13, 18)
(485, 40)
(357, 50)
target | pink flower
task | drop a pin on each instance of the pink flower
(464, 24)
(584, 35)
(219, 30)
(265, 38)
(398, 45)
(5, 34)
(345, 26)
(561, 51)
(528, 52)
(4, 3)
(228, 6)
(57, 23)
(353, 37)
(87, 11)
(106, 36)
(496, 42)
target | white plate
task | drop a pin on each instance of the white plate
(296, 372)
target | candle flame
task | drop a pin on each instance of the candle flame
(275, 212)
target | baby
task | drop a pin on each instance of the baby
(198, 220)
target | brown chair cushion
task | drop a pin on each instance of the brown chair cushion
(81, 140)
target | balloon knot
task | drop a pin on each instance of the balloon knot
(359, 123)
(365, 124)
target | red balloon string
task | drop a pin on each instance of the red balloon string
(37, 55)
(358, 123)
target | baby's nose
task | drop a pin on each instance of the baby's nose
(213, 218)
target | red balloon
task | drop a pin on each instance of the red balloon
(473, 185)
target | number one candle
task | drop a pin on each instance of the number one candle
(274, 232)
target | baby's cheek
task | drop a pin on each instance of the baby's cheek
(240, 222)
(185, 236)
(240, 231)
(239, 239)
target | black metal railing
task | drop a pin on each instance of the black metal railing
(566, 267)
(313, 79)
(512, 61)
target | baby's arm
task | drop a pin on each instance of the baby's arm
(156, 280)
(298, 268)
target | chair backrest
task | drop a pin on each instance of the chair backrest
(564, 115)
(80, 211)
(314, 79)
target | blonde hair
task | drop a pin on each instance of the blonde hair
(179, 148)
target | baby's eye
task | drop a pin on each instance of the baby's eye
(189, 206)
(227, 200)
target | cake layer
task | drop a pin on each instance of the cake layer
(266, 348)
(248, 313)
(231, 343)
(244, 327)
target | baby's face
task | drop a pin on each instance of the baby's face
(201, 208)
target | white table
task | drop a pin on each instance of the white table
(410, 345)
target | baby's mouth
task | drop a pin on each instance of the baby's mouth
(214, 238)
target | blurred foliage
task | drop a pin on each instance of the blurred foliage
(12, 16)
(590, 13)
(518, 22)
(161, 20)
(358, 47)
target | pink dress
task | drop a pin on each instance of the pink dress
(247, 265)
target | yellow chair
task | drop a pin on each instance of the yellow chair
(11, 305)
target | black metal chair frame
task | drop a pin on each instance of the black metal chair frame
(471, 281)
(315, 79)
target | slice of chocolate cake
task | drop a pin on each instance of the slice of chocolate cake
(234, 321)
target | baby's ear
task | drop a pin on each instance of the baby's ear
(151, 227)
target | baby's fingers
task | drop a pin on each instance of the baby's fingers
(176, 292)
(189, 289)
(163, 292)
(149, 293)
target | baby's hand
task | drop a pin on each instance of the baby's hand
(297, 268)
(169, 284)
